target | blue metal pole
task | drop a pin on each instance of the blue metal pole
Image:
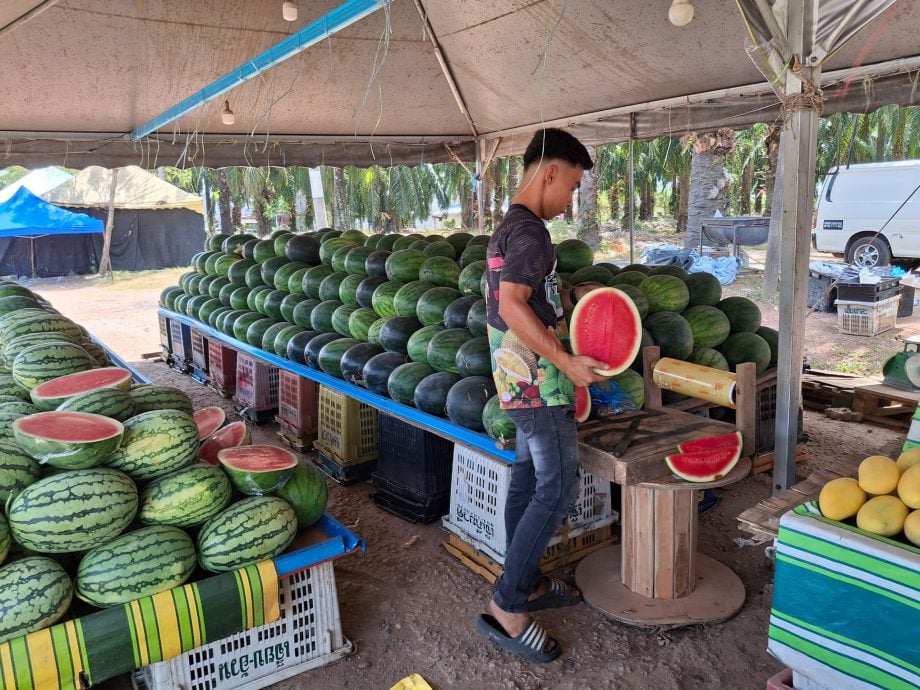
(342, 16)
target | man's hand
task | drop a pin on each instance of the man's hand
(580, 370)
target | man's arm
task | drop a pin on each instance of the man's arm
(517, 314)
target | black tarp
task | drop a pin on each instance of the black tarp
(141, 240)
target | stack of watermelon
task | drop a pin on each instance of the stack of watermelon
(108, 490)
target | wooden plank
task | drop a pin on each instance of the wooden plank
(746, 411)
(665, 547)
(889, 393)
(763, 462)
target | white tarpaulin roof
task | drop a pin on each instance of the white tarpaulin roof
(134, 189)
(38, 182)
(80, 75)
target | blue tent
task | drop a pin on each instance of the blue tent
(26, 215)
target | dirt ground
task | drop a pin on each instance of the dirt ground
(409, 607)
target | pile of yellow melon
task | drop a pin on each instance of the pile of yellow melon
(885, 499)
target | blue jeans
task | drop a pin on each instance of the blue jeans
(542, 486)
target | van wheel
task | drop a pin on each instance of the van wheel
(869, 252)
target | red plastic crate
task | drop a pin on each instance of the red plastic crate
(781, 681)
(298, 402)
(200, 350)
(222, 367)
(256, 384)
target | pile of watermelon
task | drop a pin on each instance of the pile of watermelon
(113, 491)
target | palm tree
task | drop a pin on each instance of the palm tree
(611, 164)
(588, 228)
(707, 179)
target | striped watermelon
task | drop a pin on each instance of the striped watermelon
(6, 538)
(8, 386)
(51, 394)
(307, 493)
(230, 436)
(40, 363)
(18, 470)
(208, 420)
(252, 530)
(73, 511)
(108, 402)
(257, 470)
(137, 564)
(68, 440)
(20, 343)
(156, 443)
(26, 321)
(187, 497)
(34, 593)
(18, 407)
(148, 397)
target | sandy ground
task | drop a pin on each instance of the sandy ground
(410, 608)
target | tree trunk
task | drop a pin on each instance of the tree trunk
(769, 184)
(674, 200)
(105, 263)
(880, 141)
(468, 211)
(683, 201)
(498, 194)
(487, 189)
(614, 193)
(708, 181)
(514, 175)
(259, 207)
(292, 213)
(646, 201)
(588, 229)
(569, 214)
(223, 203)
(341, 218)
(747, 182)
(236, 216)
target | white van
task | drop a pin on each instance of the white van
(857, 200)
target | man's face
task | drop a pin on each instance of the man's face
(562, 180)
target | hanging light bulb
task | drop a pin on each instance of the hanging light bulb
(289, 11)
(681, 12)
(226, 115)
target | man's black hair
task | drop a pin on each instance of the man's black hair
(548, 144)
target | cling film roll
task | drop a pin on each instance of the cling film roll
(703, 383)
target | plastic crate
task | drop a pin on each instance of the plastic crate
(222, 367)
(393, 498)
(412, 462)
(165, 337)
(821, 295)
(200, 351)
(308, 635)
(298, 403)
(906, 302)
(868, 292)
(347, 429)
(867, 318)
(479, 492)
(256, 384)
(180, 336)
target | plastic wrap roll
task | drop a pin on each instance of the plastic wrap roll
(703, 383)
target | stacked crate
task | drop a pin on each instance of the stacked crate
(256, 389)
(221, 368)
(346, 441)
(298, 410)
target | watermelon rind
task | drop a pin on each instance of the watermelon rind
(229, 436)
(68, 440)
(582, 404)
(138, 564)
(620, 333)
(706, 465)
(252, 530)
(307, 493)
(41, 363)
(729, 440)
(108, 402)
(156, 443)
(49, 593)
(18, 470)
(151, 397)
(186, 497)
(257, 470)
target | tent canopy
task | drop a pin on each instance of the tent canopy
(38, 182)
(25, 215)
(135, 189)
(376, 91)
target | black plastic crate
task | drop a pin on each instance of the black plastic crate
(401, 505)
(821, 295)
(413, 459)
(906, 305)
(344, 474)
(871, 292)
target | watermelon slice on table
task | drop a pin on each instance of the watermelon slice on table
(68, 440)
(730, 440)
(230, 436)
(257, 470)
(704, 465)
(51, 394)
(208, 420)
(605, 325)
(582, 403)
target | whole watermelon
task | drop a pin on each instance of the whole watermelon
(307, 493)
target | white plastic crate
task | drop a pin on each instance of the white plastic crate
(308, 635)
(479, 492)
(867, 318)
(256, 383)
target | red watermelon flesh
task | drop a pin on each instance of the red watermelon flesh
(49, 395)
(233, 435)
(208, 420)
(257, 470)
(582, 403)
(704, 465)
(605, 325)
(68, 440)
(730, 440)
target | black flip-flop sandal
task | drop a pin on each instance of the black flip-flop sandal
(557, 595)
(529, 645)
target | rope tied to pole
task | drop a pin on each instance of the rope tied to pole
(810, 98)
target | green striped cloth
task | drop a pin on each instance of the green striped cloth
(846, 604)
(123, 638)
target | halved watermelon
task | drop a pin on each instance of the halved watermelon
(257, 470)
(208, 420)
(68, 440)
(582, 403)
(605, 325)
(704, 465)
(729, 440)
(49, 395)
(233, 435)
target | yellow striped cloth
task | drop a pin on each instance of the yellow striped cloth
(147, 630)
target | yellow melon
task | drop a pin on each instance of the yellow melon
(912, 528)
(841, 498)
(908, 459)
(882, 515)
(878, 475)
(909, 487)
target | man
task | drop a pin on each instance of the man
(536, 378)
